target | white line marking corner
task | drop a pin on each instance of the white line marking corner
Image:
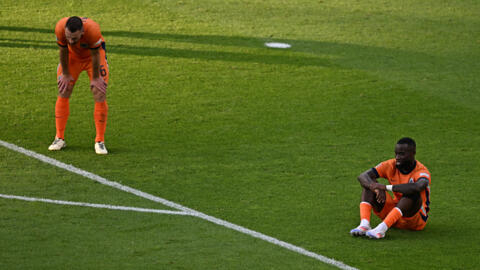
(173, 205)
(95, 205)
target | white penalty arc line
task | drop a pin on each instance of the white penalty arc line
(173, 205)
(95, 205)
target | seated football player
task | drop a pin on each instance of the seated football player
(409, 180)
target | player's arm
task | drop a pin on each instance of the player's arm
(64, 59)
(97, 80)
(95, 62)
(410, 188)
(367, 179)
(64, 79)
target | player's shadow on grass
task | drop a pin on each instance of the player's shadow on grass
(267, 58)
(339, 54)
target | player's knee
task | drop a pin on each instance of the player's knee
(368, 195)
(99, 96)
(67, 93)
(413, 196)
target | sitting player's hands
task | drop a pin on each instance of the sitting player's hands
(381, 195)
(63, 83)
(379, 190)
(100, 84)
(375, 185)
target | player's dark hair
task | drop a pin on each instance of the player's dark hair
(74, 24)
(408, 141)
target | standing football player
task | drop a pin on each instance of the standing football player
(82, 47)
(410, 183)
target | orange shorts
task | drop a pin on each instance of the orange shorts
(415, 222)
(76, 66)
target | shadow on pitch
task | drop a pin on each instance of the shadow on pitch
(351, 56)
(286, 59)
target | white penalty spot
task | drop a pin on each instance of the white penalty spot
(278, 45)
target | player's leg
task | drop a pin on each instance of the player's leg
(62, 106)
(414, 214)
(410, 204)
(380, 229)
(368, 203)
(407, 206)
(100, 112)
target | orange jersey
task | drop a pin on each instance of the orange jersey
(91, 38)
(389, 171)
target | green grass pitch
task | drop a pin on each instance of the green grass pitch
(204, 115)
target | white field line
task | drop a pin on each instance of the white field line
(95, 205)
(191, 212)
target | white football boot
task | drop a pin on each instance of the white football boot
(374, 234)
(57, 144)
(360, 230)
(378, 232)
(100, 148)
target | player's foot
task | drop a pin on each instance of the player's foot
(57, 144)
(100, 148)
(374, 234)
(360, 230)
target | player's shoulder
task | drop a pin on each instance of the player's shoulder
(60, 31)
(388, 163)
(60, 26)
(89, 24)
(92, 31)
(420, 166)
(422, 170)
(385, 167)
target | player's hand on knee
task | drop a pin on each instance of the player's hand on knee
(64, 82)
(100, 84)
(381, 195)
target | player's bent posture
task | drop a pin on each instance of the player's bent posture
(410, 182)
(82, 47)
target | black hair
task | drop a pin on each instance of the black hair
(408, 141)
(74, 24)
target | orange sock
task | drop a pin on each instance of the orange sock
(393, 216)
(62, 110)
(100, 117)
(365, 210)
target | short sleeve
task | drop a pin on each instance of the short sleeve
(383, 169)
(422, 174)
(93, 35)
(60, 32)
